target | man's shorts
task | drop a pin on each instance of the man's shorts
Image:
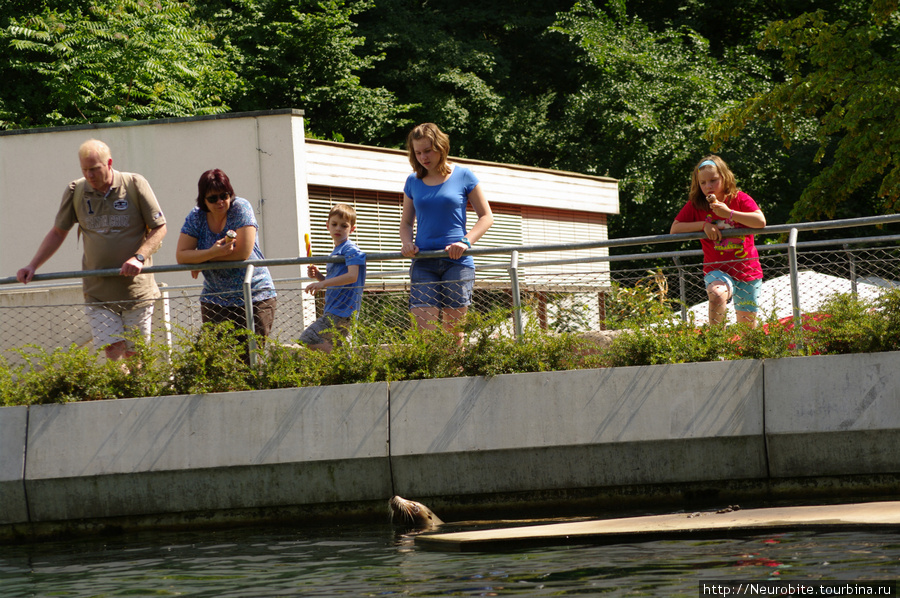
(109, 322)
(745, 294)
(322, 330)
(440, 282)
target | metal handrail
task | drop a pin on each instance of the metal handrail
(507, 250)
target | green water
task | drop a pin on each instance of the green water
(373, 560)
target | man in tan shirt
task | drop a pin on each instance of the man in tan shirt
(123, 225)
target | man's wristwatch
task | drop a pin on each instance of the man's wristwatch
(139, 257)
(466, 241)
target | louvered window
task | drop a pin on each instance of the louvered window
(547, 226)
(378, 224)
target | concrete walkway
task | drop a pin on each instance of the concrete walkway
(631, 529)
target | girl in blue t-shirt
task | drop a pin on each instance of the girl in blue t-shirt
(434, 203)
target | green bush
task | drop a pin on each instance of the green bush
(669, 341)
(771, 339)
(215, 359)
(852, 327)
(646, 303)
(64, 375)
(888, 305)
(492, 351)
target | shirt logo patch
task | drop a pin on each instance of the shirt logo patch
(121, 204)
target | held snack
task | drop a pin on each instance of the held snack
(230, 236)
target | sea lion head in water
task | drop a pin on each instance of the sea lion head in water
(412, 513)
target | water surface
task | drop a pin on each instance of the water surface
(374, 560)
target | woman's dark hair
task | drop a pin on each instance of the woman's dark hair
(212, 181)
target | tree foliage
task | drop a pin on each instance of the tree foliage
(491, 75)
(842, 74)
(112, 61)
(305, 54)
(798, 97)
(644, 102)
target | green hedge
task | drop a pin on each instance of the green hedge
(215, 359)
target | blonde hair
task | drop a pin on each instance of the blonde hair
(343, 211)
(95, 146)
(440, 142)
(696, 195)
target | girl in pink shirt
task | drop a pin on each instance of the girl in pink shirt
(730, 264)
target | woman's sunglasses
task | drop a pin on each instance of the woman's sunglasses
(217, 198)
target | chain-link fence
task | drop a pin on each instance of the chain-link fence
(581, 294)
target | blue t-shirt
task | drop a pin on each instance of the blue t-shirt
(441, 210)
(345, 299)
(225, 286)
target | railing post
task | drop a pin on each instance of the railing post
(682, 293)
(516, 295)
(251, 325)
(852, 259)
(167, 321)
(795, 282)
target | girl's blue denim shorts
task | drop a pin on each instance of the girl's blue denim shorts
(440, 282)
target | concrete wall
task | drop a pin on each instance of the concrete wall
(713, 423)
(13, 427)
(191, 453)
(833, 415)
(584, 428)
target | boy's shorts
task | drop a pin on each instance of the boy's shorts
(109, 323)
(322, 330)
(440, 282)
(745, 294)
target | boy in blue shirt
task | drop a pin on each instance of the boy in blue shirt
(343, 282)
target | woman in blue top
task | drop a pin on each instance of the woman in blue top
(434, 201)
(203, 239)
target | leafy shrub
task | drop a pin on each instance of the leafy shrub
(64, 375)
(888, 306)
(645, 303)
(215, 360)
(10, 390)
(769, 340)
(669, 341)
(491, 351)
(853, 326)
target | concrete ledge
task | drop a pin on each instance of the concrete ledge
(171, 454)
(832, 415)
(13, 424)
(580, 428)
